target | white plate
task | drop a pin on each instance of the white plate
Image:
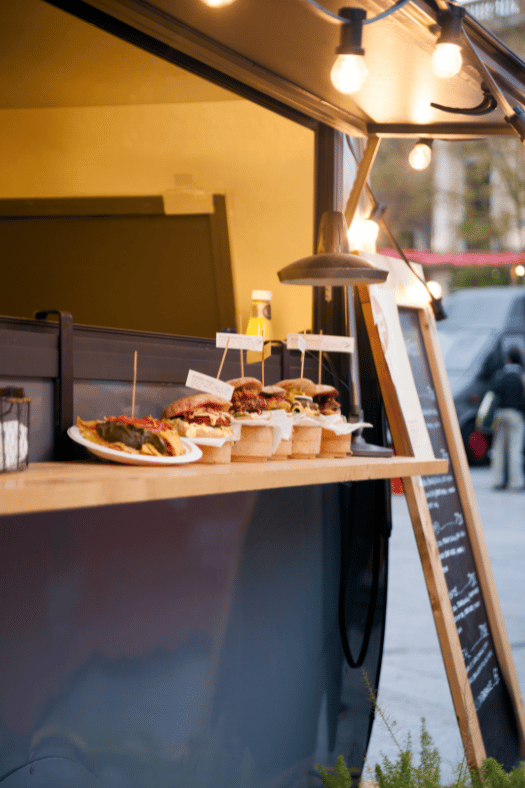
(192, 452)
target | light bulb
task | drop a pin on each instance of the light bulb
(446, 60)
(420, 156)
(362, 232)
(370, 231)
(435, 288)
(520, 270)
(217, 3)
(348, 73)
(355, 234)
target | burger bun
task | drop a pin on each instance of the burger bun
(304, 385)
(180, 407)
(246, 383)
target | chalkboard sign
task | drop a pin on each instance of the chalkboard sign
(449, 535)
(491, 696)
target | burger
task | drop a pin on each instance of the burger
(200, 416)
(325, 398)
(275, 398)
(148, 436)
(300, 393)
(246, 397)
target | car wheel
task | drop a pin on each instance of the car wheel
(477, 444)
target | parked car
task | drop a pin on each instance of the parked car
(482, 324)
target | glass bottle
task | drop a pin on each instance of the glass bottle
(260, 322)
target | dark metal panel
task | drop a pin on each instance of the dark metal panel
(361, 512)
(51, 773)
(29, 348)
(190, 642)
(24, 352)
(103, 370)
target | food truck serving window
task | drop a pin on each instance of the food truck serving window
(148, 197)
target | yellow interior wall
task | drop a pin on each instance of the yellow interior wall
(262, 162)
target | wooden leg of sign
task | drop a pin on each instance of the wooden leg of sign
(474, 525)
(444, 620)
(429, 554)
(456, 506)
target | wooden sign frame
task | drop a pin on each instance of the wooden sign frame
(454, 655)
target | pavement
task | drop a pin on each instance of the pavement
(413, 681)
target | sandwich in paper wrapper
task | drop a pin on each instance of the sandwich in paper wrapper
(319, 426)
(260, 422)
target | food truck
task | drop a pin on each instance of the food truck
(190, 623)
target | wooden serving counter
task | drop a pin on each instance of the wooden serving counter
(50, 486)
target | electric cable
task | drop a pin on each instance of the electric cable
(436, 303)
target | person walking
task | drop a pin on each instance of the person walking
(509, 424)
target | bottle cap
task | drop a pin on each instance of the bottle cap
(261, 295)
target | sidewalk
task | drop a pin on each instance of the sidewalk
(413, 681)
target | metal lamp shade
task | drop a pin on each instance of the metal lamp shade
(333, 265)
(332, 269)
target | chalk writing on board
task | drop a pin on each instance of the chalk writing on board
(459, 568)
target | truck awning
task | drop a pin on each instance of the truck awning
(285, 49)
(473, 259)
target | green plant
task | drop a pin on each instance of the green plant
(338, 778)
(404, 773)
(494, 776)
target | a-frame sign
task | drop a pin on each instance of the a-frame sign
(447, 526)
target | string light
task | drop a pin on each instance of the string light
(365, 231)
(217, 3)
(349, 71)
(421, 154)
(370, 231)
(361, 233)
(435, 289)
(446, 58)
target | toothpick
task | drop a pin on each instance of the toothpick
(240, 349)
(320, 357)
(302, 354)
(262, 366)
(134, 385)
(223, 357)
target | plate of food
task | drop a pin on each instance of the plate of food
(132, 441)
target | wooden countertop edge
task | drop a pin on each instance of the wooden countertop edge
(52, 486)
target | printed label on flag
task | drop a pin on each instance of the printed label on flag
(201, 382)
(327, 342)
(240, 341)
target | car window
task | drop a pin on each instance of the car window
(461, 348)
(517, 312)
(469, 308)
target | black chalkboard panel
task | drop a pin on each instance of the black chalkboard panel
(492, 701)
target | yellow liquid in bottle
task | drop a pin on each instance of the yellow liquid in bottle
(260, 323)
